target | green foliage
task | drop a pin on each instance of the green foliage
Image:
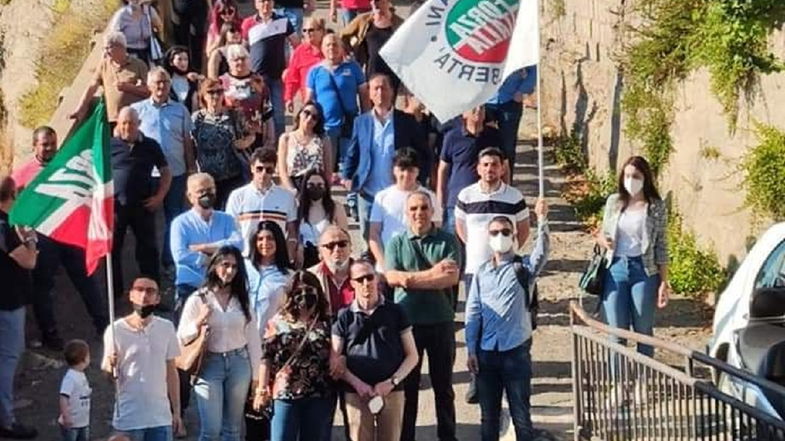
(568, 153)
(558, 8)
(728, 37)
(710, 152)
(692, 270)
(588, 200)
(764, 173)
(66, 48)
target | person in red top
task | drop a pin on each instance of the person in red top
(223, 11)
(304, 57)
(335, 247)
(349, 10)
(52, 254)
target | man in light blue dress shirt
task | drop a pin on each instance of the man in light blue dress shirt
(506, 107)
(169, 123)
(499, 326)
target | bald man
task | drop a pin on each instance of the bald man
(136, 196)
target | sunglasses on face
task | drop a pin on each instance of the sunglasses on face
(228, 11)
(309, 30)
(504, 232)
(338, 243)
(267, 169)
(364, 278)
(304, 291)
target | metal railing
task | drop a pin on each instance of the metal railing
(620, 394)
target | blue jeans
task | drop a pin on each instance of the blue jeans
(448, 220)
(508, 116)
(347, 15)
(509, 372)
(160, 433)
(364, 205)
(630, 298)
(221, 390)
(303, 419)
(276, 99)
(79, 434)
(295, 16)
(174, 204)
(12, 344)
(340, 146)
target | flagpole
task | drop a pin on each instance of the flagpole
(110, 291)
(540, 160)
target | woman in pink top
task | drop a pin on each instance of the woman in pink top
(304, 57)
(223, 11)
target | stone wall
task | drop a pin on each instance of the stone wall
(582, 87)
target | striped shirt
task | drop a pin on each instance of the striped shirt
(249, 206)
(476, 208)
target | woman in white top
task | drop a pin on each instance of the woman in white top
(315, 211)
(634, 236)
(234, 346)
(137, 21)
(305, 148)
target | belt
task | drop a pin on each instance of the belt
(237, 351)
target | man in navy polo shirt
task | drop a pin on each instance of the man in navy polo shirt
(458, 159)
(376, 338)
(266, 34)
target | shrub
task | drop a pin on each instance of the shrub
(568, 153)
(692, 271)
(764, 173)
(587, 195)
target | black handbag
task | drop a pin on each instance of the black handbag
(593, 278)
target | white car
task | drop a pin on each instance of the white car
(749, 324)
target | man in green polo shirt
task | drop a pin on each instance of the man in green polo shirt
(423, 266)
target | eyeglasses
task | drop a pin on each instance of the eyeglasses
(504, 232)
(267, 169)
(338, 243)
(145, 289)
(309, 30)
(365, 278)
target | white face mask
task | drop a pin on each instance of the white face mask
(633, 186)
(500, 243)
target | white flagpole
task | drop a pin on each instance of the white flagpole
(110, 291)
(540, 161)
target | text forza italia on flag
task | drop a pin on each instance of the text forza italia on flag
(454, 54)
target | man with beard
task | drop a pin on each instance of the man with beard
(52, 254)
(140, 357)
(335, 248)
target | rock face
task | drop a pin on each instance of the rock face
(582, 87)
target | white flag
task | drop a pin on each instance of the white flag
(453, 55)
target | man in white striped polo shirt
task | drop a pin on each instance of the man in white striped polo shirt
(262, 200)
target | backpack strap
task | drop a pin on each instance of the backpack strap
(523, 276)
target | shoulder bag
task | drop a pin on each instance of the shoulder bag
(347, 125)
(156, 51)
(593, 278)
(192, 352)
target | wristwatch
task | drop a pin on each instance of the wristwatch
(395, 381)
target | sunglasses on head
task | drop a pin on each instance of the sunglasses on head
(504, 232)
(338, 243)
(364, 278)
(268, 169)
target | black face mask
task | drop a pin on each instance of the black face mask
(315, 193)
(207, 201)
(306, 300)
(144, 311)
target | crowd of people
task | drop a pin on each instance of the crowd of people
(299, 323)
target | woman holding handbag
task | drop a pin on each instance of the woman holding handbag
(633, 234)
(233, 347)
(295, 371)
(137, 20)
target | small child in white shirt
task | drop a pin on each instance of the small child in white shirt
(75, 393)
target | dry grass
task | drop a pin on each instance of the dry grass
(62, 56)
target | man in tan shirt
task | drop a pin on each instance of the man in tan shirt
(121, 76)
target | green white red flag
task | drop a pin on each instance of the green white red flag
(71, 199)
(454, 54)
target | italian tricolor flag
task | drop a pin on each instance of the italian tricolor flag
(71, 199)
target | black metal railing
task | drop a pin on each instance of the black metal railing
(621, 394)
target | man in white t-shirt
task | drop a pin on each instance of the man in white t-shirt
(262, 200)
(480, 202)
(388, 215)
(140, 357)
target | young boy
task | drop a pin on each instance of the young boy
(75, 393)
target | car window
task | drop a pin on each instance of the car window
(772, 274)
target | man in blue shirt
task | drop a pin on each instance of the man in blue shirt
(169, 124)
(499, 326)
(506, 107)
(197, 234)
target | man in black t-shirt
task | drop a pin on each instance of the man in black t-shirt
(17, 258)
(134, 157)
(376, 339)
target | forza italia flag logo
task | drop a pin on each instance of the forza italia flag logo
(71, 199)
(454, 54)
